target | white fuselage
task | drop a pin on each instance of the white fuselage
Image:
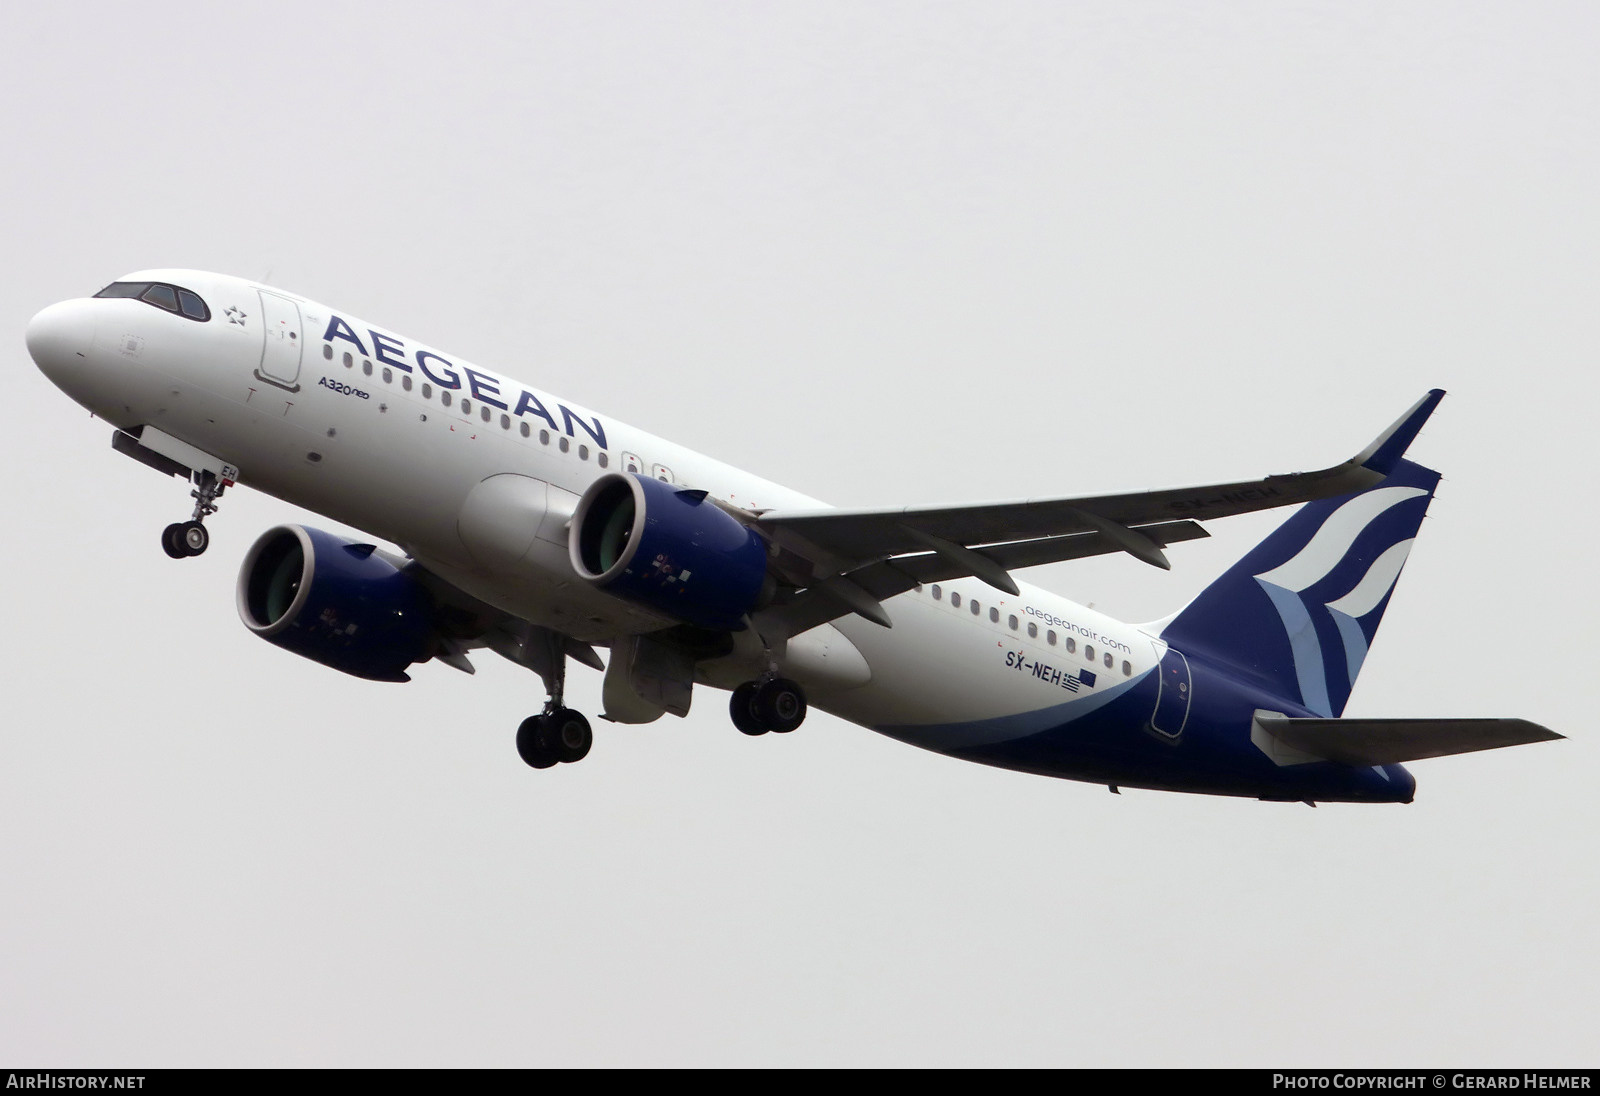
(384, 433)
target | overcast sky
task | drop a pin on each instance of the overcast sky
(883, 253)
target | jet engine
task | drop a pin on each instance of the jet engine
(336, 602)
(669, 549)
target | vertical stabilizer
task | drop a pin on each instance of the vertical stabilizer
(1298, 613)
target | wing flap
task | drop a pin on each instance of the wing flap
(1393, 741)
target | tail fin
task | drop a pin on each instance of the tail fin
(1298, 613)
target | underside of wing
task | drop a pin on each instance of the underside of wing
(887, 578)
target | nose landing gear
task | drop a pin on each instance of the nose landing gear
(185, 538)
(182, 539)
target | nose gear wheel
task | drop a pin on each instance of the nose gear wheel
(182, 539)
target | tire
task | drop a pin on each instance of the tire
(172, 541)
(780, 705)
(742, 710)
(570, 735)
(535, 744)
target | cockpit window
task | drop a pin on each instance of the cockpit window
(123, 289)
(168, 298)
(162, 296)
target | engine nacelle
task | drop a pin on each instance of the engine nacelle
(335, 602)
(669, 549)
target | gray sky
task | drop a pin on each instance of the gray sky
(885, 254)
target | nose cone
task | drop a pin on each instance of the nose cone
(58, 341)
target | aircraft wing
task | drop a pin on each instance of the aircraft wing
(832, 550)
(886, 578)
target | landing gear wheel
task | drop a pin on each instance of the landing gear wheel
(570, 733)
(172, 541)
(741, 709)
(780, 705)
(193, 537)
(535, 743)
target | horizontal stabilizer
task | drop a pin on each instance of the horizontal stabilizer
(1393, 741)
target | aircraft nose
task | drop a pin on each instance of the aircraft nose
(58, 340)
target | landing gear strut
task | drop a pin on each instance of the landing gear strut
(557, 734)
(189, 538)
(774, 704)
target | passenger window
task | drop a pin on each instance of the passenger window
(1072, 645)
(1088, 652)
(1127, 668)
(544, 437)
(935, 591)
(1050, 637)
(485, 413)
(525, 430)
(603, 459)
(975, 608)
(955, 599)
(366, 367)
(1013, 622)
(994, 615)
(405, 382)
(427, 390)
(348, 360)
(1108, 660)
(466, 407)
(564, 444)
(444, 397)
(388, 375)
(583, 452)
(505, 422)
(1033, 630)
(327, 351)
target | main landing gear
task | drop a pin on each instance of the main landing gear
(772, 704)
(182, 539)
(557, 734)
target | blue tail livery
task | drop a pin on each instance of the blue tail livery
(1297, 615)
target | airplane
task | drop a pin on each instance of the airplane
(543, 531)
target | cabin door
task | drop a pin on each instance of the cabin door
(280, 341)
(1173, 694)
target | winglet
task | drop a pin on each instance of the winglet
(1387, 449)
